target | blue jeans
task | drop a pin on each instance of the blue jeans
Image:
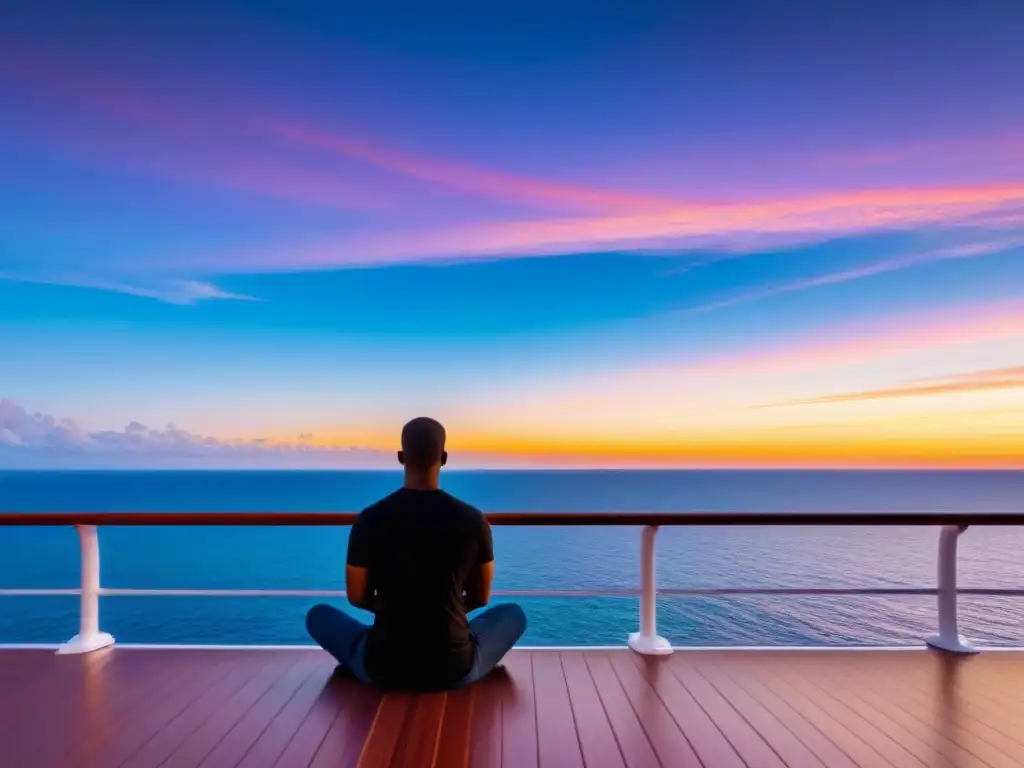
(493, 633)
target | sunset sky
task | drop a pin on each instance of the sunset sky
(267, 233)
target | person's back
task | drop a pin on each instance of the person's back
(420, 547)
(419, 560)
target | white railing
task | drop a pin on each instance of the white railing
(646, 641)
(949, 638)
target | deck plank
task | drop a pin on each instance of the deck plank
(332, 704)
(892, 705)
(387, 730)
(343, 743)
(707, 740)
(31, 703)
(121, 736)
(418, 748)
(161, 744)
(628, 729)
(827, 747)
(112, 702)
(857, 742)
(554, 714)
(250, 728)
(848, 691)
(486, 737)
(224, 733)
(268, 748)
(519, 715)
(943, 699)
(773, 730)
(667, 739)
(796, 677)
(456, 729)
(941, 712)
(597, 738)
(136, 708)
(200, 734)
(752, 745)
(946, 688)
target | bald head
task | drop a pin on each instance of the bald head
(422, 445)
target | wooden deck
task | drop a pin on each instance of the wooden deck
(138, 708)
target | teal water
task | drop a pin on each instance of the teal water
(541, 558)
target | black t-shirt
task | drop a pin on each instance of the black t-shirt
(419, 547)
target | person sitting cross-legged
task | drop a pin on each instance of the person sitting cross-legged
(419, 559)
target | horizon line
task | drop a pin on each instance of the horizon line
(566, 469)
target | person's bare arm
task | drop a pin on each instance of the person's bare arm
(478, 581)
(357, 587)
(357, 566)
(478, 586)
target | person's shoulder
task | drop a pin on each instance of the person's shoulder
(458, 504)
(381, 506)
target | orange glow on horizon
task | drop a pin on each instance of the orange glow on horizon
(815, 446)
(888, 394)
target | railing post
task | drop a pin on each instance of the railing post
(647, 641)
(949, 638)
(89, 637)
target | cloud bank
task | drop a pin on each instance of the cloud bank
(37, 440)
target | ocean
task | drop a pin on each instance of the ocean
(527, 558)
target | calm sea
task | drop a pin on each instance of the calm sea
(543, 558)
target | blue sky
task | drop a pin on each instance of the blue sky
(581, 234)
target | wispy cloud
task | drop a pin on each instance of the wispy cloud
(799, 220)
(197, 144)
(953, 253)
(882, 338)
(464, 178)
(815, 349)
(1007, 146)
(978, 381)
(181, 292)
(244, 149)
(715, 391)
(273, 174)
(184, 292)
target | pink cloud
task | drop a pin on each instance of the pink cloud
(256, 173)
(824, 348)
(462, 178)
(1008, 146)
(723, 226)
(200, 144)
(207, 145)
(876, 340)
(75, 83)
(977, 381)
(206, 162)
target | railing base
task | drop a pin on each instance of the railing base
(951, 644)
(86, 644)
(649, 645)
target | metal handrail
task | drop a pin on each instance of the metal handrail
(638, 518)
(594, 592)
(646, 641)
